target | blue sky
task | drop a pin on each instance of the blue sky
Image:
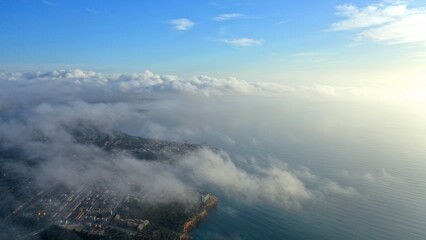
(275, 40)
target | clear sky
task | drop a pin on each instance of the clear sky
(336, 41)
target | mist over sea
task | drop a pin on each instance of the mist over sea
(376, 149)
(307, 162)
(126, 119)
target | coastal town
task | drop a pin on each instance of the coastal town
(97, 209)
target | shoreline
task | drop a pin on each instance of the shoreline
(197, 219)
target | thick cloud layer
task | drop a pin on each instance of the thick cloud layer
(147, 82)
(48, 104)
(89, 85)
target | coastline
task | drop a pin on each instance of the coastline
(190, 225)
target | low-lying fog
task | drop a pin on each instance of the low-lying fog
(288, 147)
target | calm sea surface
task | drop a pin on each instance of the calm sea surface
(380, 151)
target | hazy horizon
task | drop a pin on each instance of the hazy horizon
(310, 116)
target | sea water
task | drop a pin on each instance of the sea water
(378, 149)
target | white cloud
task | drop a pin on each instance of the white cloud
(182, 24)
(325, 186)
(228, 16)
(80, 81)
(243, 42)
(380, 177)
(410, 29)
(63, 159)
(372, 15)
(94, 86)
(51, 102)
(388, 22)
(280, 186)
